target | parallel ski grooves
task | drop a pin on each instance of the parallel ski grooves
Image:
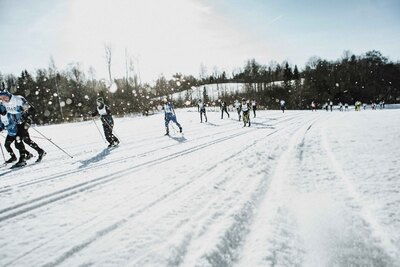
(82, 187)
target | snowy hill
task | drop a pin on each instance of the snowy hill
(294, 189)
(215, 91)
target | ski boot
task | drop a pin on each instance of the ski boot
(42, 153)
(21, 162)
(28, 155)
(114, 143)
(12, 159)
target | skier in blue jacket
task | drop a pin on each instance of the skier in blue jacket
(8, 122)
(18, 106)
(169, 115)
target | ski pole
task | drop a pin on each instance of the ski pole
(52, 142)
(2, 152)
(38, 137)
(99, 131)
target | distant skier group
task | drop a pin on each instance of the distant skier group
(357, 106)
(243, 109)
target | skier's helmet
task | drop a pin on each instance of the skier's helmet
(165, 100)
(5, 96)
(100, 102)
(243, 99)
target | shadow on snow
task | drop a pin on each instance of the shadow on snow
(102, 155)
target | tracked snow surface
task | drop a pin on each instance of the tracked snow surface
(294, 189)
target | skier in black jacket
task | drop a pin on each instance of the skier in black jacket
(107, 120)
(224, 108)
(201, 107)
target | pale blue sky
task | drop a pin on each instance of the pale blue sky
(178, 35)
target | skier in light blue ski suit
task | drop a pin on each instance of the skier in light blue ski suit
(169, 115)
(8, 122)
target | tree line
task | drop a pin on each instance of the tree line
(68, 95)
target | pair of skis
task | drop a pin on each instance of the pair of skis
(25, 163)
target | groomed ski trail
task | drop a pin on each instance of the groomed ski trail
(274, 194)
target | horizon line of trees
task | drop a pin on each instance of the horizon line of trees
(68, 95)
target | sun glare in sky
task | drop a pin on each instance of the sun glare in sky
(156, 36)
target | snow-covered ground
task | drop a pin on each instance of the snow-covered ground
(294, 189)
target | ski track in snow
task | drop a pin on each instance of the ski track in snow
(275, 194)
(81, 187)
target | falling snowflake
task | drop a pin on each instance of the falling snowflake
(113, 88)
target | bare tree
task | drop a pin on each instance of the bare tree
(126, 67)
(216, 74)
(52, 67)
(92, 76)
(108, 51)
(53, 74)
(203, 72)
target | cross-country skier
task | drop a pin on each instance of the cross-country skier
(331, 105)
(202, 109)
(107, 120)
(7, 121)
(246, 112)
(313, 106)
(254, 107)
(282, 102)
(238, 107)
(18, 106)
(169, 115)
(346, 107)
(357, 105)
(340, 106)
(224, 109)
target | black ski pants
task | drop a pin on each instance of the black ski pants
(108, 133)
(203, 111)
(224, 109)
(246, 117)
(18, 144)
(22, 132)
